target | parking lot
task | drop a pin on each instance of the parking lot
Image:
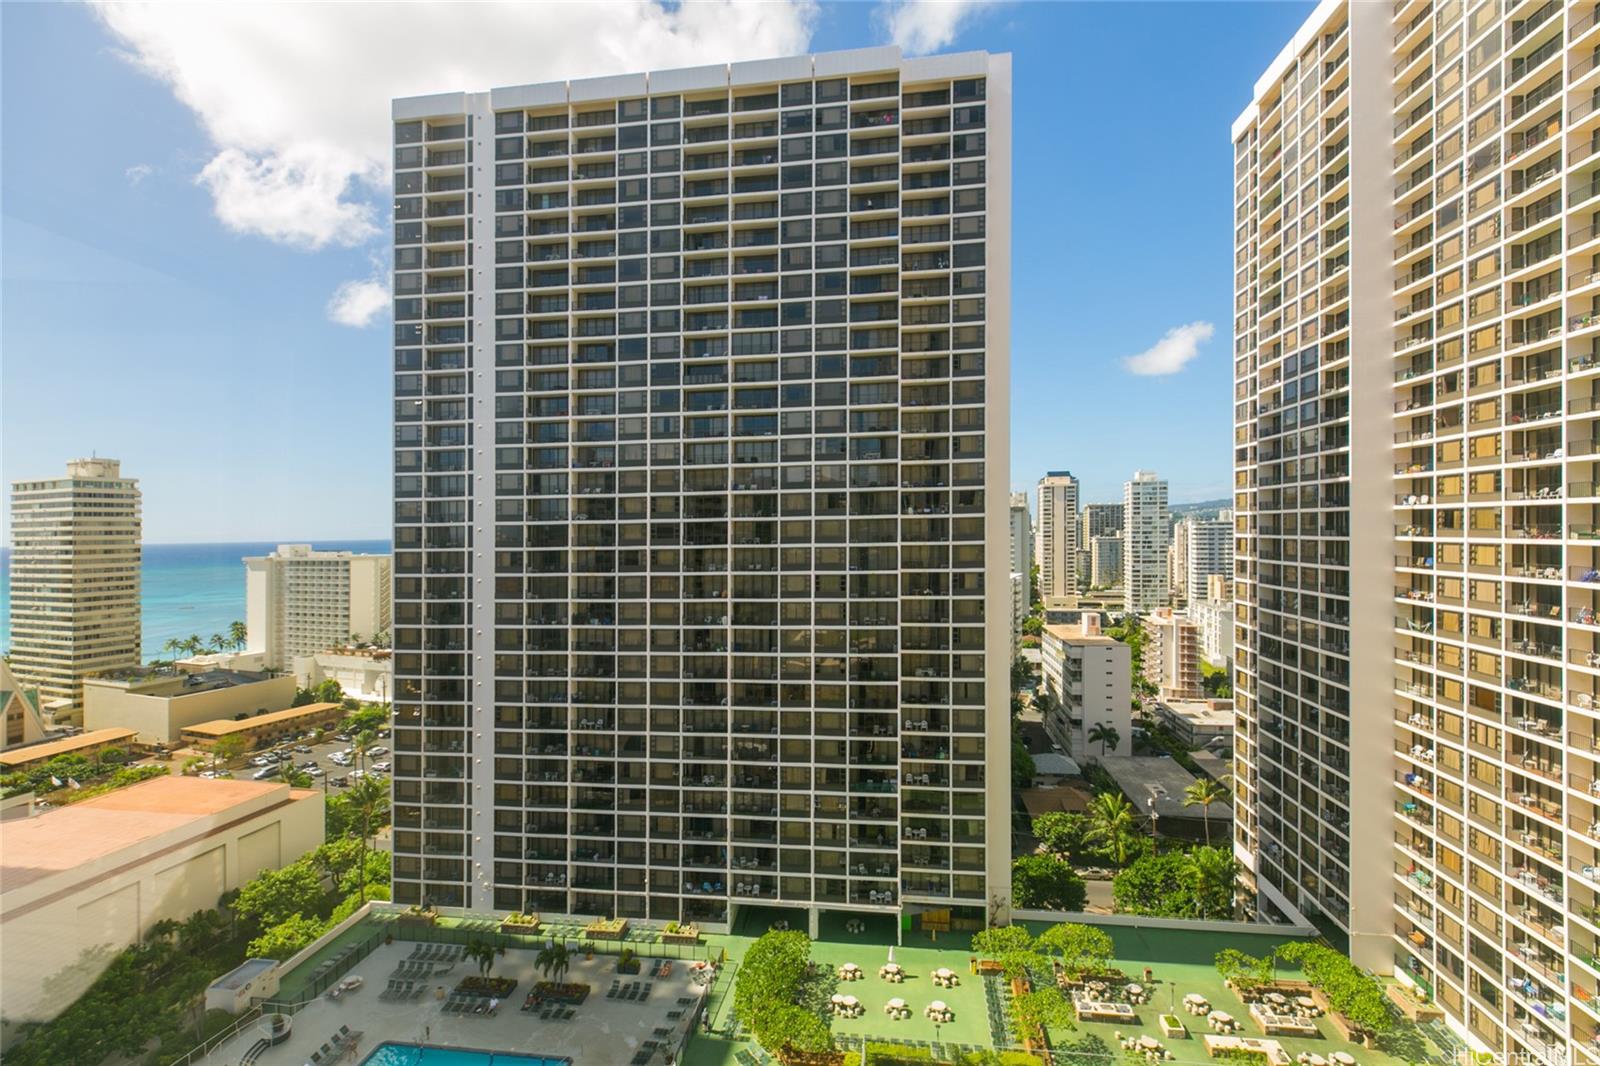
(317, 759)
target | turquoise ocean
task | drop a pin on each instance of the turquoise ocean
(188, 588)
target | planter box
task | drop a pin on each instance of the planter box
(521, 928)
(607, 929)
(1172, 1026)
(682, 936)
(417, 919)
(1414, 1009)
(630, 966)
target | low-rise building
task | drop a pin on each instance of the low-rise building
(81, 882)
(28, 756)
(1156, 786)
(158, 703)
(1087, 676)
(265, 728)
(1172, 655)
(21, 720)
(362, 673)
(1196, 722)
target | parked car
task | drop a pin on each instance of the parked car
(314, 770)
(342, 736)
(377, 749)
(382, 766)
(337, 782)
(303, 749)
(261, 760)
(268, 771)
(309, 764)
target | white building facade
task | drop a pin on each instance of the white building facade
(702, 505)
(1208, 553)
(1089, 676)
(300, 601)
(1145, 536)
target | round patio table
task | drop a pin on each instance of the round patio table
(1343, 1058)
(1276, 997)
(1220, 1016)
(1136, 990)
(1149, 1043)
(897, 1003)
(849, 1001)
(1317, 1060)
(1304, 1001)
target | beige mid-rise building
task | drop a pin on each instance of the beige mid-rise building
(301, 601)
(1146, 535)
(75, 557)
(1417, 368)
(1172, 654)
(1088, 676)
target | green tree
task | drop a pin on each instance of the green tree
(194, 644)
(1210, 875)
(1113, 825)
(1009, 945)
(366, 804)
(790, 1027)
(1048, 883)
(1062, 833)
(228, 748)
(1104, 734)
(1245, 972)
(277, 895)
(238, 635)
(484, 952)
(1203, 792)
(1154, 886)
(1081, 948)
(286, 938)
(328, 691)
(553, 960)
(1038, 1009)
(218, 643)
(1022, 767)
(1351, 991)
(769, 994)
(175, 647)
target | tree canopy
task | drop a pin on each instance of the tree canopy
(1048, 883)
(769, 994)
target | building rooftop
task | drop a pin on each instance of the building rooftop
(182, 682)
(1154, 777)
(1069, 634)
(46, 750)
(1052, 764)
(221, 727)
(244, 973)
(69, 837)
(1202, 713)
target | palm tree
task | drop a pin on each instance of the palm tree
(238, 635)
(1202, 793)
(1104, 734)
(1210, 874)
(365, 800)
(1113, 824)
(194, 645)
(217, 643)
(483, 953)
(174, 647)
(553, 960)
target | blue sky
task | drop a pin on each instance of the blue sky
(171, 247)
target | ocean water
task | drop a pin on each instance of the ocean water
(188, 588)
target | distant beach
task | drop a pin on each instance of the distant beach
(188, 588)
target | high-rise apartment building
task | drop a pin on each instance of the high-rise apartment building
(1021, 535)
(1099, 520)
(1090, 680)
(1057, 534)
(1146, 531)
(701, 588)
(1208, 553)
(1419, 180)
(75, 556)
(301, 601)
(1178, 562)
(1105, 561)
(1172, 654)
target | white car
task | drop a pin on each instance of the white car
(339, 758)
(381, 767)
(377, 749)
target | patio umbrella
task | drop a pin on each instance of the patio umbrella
(937, 1004)
(897, 1003)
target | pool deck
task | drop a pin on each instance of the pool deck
(603, 1030)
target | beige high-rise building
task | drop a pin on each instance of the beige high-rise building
(300, 601)
(1056, 534)
(702, 593)
(1417, 191)
(75, 556)
(1172, 654)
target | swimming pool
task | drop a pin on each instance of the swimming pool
(392, 1054)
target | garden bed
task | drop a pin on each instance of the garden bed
(680, 934)
(498, 987)
(522, 925)
(1413, 1008)
(572, 993)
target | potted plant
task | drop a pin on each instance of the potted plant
(628, 961)
(606, 929)
(518, 922)
(416, 914)
(680, 933)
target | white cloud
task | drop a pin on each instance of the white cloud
(1172, 352)
(358, 303)
(922, 26)
(295, 97)
(138, 172)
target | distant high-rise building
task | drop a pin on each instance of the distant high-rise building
(75, 557)
(1105, 560)
(701, 580)
(1021, 535)
(300, 601)
(1057, 535)
(1208, 553)
(1145, 535)
(1178, 562)
(1099, 520)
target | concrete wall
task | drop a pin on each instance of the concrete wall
(162, 719)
